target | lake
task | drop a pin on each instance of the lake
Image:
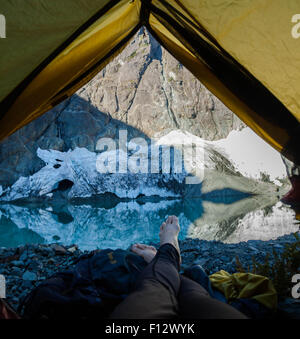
(115, 223)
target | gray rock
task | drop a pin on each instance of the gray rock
(201, 262)
(73, 249)
(16, 271)
(29, 276)
(27, 284)
(252, 248)
(278, 246)
(18, 263)
(51, 261)
(48, 251)
(225, 259)
(59, 249)
(24, 256)
(34, 265)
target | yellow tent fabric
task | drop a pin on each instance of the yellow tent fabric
(242, 51)
(245, 285)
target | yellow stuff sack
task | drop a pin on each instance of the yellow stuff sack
(245, 285)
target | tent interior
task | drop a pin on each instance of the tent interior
(243, 52)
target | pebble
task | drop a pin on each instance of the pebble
(72, 249)
(23, 256)
(200, 262)
(26, 284)
(278, 246)
(29, 276)
(252, 248)
(17, 263)
(59, 249)
(16, 271)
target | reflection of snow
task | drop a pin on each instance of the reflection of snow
(248, 219)
(94, 227)
(265, 224)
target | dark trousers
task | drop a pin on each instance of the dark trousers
(161, 293)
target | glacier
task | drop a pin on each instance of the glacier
(222, 165)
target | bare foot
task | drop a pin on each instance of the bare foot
(169, 231)
(145, 251)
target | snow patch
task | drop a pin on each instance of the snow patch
(251, 155)
(172, 75)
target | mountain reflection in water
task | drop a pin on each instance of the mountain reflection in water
(111, 223)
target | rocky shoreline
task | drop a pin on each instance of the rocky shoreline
(26, 266)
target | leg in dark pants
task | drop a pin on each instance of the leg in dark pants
(196, 303)
(160, 292)
(155, 296)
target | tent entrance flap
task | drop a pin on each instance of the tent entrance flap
(243, 52)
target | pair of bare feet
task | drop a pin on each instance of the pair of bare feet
(168, 234)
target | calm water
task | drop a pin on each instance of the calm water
(118, 224)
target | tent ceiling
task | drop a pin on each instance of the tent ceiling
(242, 51)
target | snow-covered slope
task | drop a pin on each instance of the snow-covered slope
(251, 155)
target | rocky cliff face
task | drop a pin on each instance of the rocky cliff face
(144, 90)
